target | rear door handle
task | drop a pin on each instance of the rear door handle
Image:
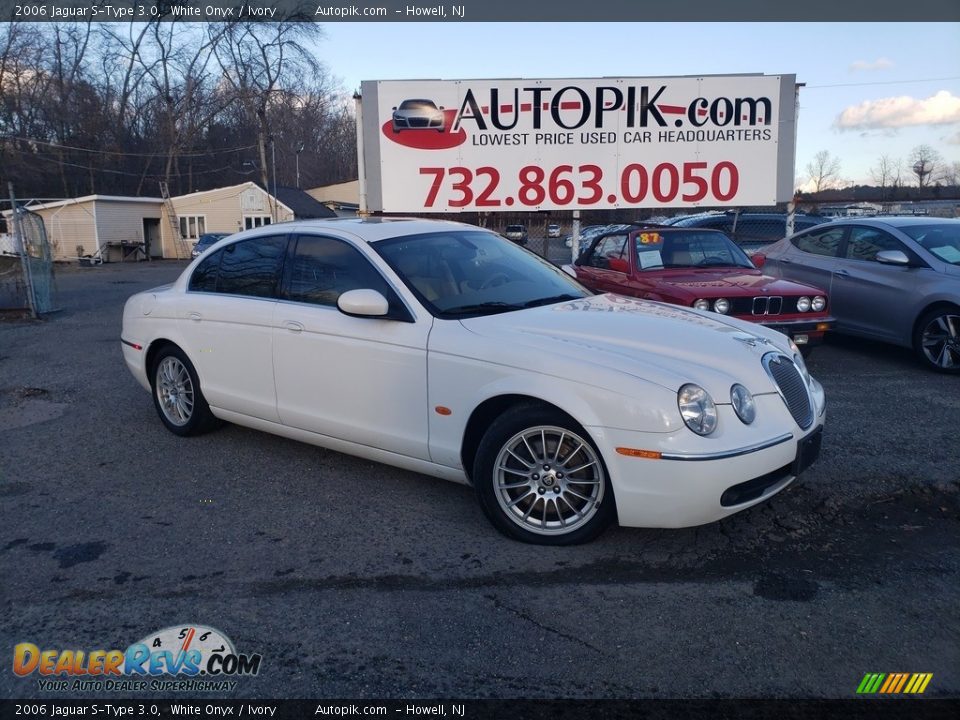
(293, 326)
(842, 273)
(786, 262)
(195, 316)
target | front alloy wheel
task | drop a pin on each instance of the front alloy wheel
(939, 341)
(541, 480)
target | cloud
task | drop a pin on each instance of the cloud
(904, 111)
(953, 139)
(878, 64)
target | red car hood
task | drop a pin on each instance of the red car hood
(728, 282)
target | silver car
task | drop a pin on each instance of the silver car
(895, 279)
(418, 115)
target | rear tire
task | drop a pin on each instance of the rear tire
(540, 479)
(937, 339)
(177, 395)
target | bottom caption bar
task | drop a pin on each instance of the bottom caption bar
(872, 709)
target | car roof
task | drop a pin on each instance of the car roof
(896, 221)
(751, 215)
(369, 229)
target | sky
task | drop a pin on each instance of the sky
(870, 88)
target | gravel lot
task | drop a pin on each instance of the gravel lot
(358, 580)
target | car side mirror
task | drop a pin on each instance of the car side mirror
(892, 257)
(363, 303)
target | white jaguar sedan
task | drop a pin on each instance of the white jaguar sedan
(444, 349)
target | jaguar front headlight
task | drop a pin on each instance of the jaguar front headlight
(721, 305)
(697, 409)
(743, 404)
(798, 360)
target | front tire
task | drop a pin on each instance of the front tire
(937, 340)
(541, 480)
(177, 396)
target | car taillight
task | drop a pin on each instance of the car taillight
(758, 260)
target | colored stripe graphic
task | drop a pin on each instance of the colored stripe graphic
(894, 683)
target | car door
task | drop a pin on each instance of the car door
(226, 320)
(869, 297)
(607, 266)
(811, 257)
(358, 379)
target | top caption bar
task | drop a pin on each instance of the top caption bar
(478, 11)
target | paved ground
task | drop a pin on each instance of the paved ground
(358, 580)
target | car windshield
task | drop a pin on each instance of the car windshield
(417, 105)
(942, 240)
(465, 273)
(688, 249)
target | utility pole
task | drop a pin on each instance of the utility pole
(273, 159)
(299, 150)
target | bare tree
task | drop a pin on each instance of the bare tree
(887, 175)
(824, 170)
(254, 58)
(110, 109)
(950, 174)
(924, 162)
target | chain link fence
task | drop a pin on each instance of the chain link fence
(27, 280)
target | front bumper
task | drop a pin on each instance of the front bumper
(812, 328)
(700, 480)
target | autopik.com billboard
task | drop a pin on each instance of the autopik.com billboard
(577, 144)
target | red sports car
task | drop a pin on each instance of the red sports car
(703, 269)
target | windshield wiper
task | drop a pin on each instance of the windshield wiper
(551, 300)
(484, 307)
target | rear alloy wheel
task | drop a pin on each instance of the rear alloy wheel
(176, 394)
(541, 480)
(938, 340)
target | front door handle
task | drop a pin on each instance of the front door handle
(842, 273)
(195, 316)
(293, 326)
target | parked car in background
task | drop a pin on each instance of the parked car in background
(517, 233)
(553, 230)
(444, 349)
(204, 242)
(750, 231)
(705, 270)
(895, 279)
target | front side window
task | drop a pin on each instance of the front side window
(943, 241)
(611, 253)
(820, 242)
(321, 269)
(865, 242)
(251, 267)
